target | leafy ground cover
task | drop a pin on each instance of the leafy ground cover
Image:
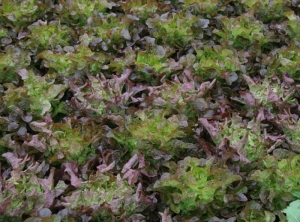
(150, 110)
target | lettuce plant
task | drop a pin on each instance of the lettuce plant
(141, 9)
(280, 178)
(243, 31)
(101, 192)
(174, 96)
(26, 188)
(267, 10)
(111, 28)
(20, 13)
(77, 12)
(47, 36)
(172, 29)
(146, 60)
(151, 65)
(287, 61)
(93, 98)
(271, 91)
(150, 127)
(291, 24)
(291, 130)
(149, 110)
(246, 138)
(13, 59)
(67, 63)
(71, 141)
(182, 96)
(103, 95)
(39, 91)
(155, 127)
(207, 6)
(189, 185)
(217, 62)
(254, 211)
(119, 63)
(105, 194)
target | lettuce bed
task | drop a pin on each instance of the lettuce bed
(149, 110)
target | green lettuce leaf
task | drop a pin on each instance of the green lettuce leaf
(293, 211)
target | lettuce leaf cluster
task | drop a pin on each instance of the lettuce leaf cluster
(149, 110)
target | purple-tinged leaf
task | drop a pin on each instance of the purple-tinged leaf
(260, 115)
(45, 212)
(139, 192)
(249, 81)
(212, 130)
(5, 205)
(41, 127)
(36, 142)
(272, 97)
(243, 157)
(203, 146)
(48, 183)
(286, 79)
(165, 216)
(132, 176)
(142, 162)
(131, 163)
(15, 162)
(248, 97)
(104, 168)
(205, 87)
(71, 169)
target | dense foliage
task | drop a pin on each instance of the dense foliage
(139, 110)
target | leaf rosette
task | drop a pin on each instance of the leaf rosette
(188, 185)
